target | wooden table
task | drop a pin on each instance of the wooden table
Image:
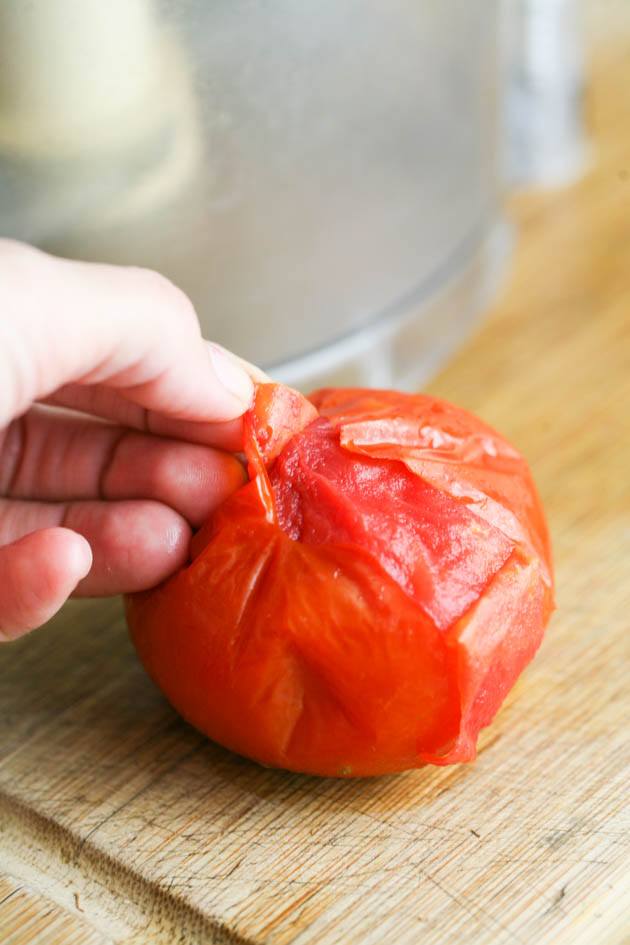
(121, 824)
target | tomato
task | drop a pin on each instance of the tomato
(364, 604)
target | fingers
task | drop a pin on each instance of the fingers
(54, 455)
(111, 405)
(37, 573)
(192, 479)
(257, 374)
(130, 329)
(135, 544)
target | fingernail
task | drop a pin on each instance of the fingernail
(82, 557)
(231, 375)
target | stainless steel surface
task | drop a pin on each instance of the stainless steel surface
(410, 342)
(544, 59)
(310, 173)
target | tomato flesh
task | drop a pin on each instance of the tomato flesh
(439, 552)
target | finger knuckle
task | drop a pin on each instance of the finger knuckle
(170, 301)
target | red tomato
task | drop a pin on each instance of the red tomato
(364, 604)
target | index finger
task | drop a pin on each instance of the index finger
(64, 322)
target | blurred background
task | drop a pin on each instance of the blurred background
(326, 180)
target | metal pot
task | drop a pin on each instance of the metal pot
(322, 178)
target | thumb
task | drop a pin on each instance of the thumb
(37, 573)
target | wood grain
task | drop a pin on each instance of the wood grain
(121, 824)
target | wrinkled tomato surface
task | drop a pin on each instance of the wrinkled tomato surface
(364, 604)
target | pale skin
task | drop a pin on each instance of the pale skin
(118, 428)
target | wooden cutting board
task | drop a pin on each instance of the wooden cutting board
(118, 823)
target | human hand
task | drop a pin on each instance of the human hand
(103, 504)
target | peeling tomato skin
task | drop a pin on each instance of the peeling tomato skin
(345, 614)
(281, 684)
(473, 463)
(441, 554)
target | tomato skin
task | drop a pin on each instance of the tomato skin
(338, 617)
